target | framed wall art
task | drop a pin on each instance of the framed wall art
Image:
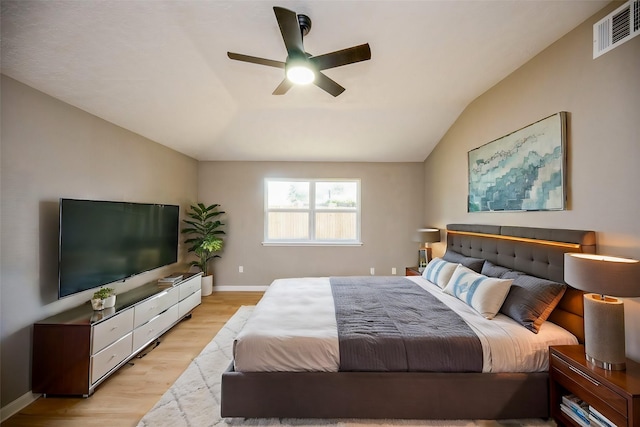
(522, 171)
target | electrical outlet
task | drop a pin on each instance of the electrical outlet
(240, 269)
(372, 271)
(393, 270)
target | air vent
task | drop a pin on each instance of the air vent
(616, 28)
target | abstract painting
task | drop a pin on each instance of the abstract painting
(522, 171)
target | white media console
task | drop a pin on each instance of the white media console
(74, 351)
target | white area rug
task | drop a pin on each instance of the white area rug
(194, 399)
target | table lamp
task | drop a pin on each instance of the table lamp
(606, 277)
(425, 236)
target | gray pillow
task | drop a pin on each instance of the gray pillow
(492, 270)
(474, 264)
(531, 299)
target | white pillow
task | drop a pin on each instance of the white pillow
(484, 294)
(439, 271)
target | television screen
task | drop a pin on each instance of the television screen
(102, 242)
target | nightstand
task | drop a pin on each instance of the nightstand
(412, 271)
(615, 394)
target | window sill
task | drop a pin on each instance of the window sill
(312, 243)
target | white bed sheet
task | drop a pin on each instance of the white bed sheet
(293, 328)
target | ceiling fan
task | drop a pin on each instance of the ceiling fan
(301, 67)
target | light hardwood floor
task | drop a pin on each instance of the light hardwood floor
(124, 398)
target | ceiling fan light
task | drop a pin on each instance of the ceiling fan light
(300, 74)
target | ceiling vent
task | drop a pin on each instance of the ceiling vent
(616, 28)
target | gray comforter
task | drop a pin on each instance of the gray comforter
(392, 324)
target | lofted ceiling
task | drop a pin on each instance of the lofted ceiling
(160, 69)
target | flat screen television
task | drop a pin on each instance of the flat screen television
(102, 242)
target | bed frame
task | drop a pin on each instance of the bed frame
(427, 395)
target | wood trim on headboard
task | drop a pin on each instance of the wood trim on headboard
(518, 239)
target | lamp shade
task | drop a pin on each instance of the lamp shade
(605, 275)
(427, 235)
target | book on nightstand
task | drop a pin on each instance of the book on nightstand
(599, 420)
(594, 422)
(577, 407)
(568, 411)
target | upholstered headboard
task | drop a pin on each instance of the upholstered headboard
(535, 251)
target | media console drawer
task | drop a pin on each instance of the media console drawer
(146, 333)
(189, 303)
(149, 309)
(111, 330)
(110, 357)
(189, 287)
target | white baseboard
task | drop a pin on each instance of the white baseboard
(261, 288)
(17, 405)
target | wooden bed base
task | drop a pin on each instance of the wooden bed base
(426, 395)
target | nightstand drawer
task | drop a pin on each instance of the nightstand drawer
(610, 403)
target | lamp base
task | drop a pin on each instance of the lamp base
(604, 332)
(606, 365)
(424, 257)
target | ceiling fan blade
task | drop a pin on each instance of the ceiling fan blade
(283, 87)
(326, 84)
(342, 57)
(290, 29)
(255, 60)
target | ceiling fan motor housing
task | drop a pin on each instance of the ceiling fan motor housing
(305, 24)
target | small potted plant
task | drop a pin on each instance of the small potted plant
(100, 297)
(110, 301)
(204, 231)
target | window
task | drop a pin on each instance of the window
(312, 211)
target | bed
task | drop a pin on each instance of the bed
(324, 390)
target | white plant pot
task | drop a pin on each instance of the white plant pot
(97, 304)
(110, 301)
(207, 285)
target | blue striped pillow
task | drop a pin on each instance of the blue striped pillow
(439, 271)
(484, 294)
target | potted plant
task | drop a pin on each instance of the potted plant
(204, 231)
(110, 301)
(100, 297)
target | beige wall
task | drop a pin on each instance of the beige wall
(602, 97)
(392, 199)
(51, 150)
